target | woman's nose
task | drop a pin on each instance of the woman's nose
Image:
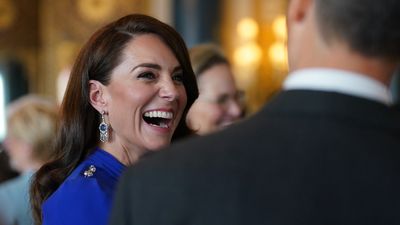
(234, 109)
(169, 90)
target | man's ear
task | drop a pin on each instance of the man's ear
(298, 10)
(96, 95)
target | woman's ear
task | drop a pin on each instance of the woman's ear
(96, 95)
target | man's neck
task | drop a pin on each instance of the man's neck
(338, 56)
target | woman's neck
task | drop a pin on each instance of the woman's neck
(127, 156)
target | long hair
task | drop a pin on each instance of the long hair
(78, 134)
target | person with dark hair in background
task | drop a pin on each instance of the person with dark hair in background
(220, 102)
(128, 92)
(31, 129)
(325, 150)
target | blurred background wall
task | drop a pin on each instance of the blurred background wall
(39, 39)
(44, 36)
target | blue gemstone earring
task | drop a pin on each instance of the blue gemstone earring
(103, 128)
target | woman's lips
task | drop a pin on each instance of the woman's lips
(158, 118)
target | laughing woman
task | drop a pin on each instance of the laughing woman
(129, 89)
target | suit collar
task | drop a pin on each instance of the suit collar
(333, 80)
(319, 104)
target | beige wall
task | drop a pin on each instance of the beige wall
(47, 34)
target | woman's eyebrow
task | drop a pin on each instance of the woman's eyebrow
(155, 66)
(148, 65)
(177, 68)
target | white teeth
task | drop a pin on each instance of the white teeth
(159, 114)
(163, 125)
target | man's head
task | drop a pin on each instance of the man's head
(369, 28)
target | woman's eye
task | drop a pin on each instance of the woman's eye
(178, 78)
(221, 100)
(147, 75)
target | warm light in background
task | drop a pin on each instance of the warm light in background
(279, 27)
(2, 109)
(248, 52)
(248, 55)
(247, 28)
(277, 54)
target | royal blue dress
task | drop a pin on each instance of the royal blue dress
(85, 197)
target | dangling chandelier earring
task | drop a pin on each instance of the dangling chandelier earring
(103, 128)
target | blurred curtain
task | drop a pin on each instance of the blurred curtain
(198, 21)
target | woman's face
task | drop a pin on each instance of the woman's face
(146, 96)
(218, 103)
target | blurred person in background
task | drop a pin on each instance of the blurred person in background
(31, 130)
(220, 103)
(6, 172)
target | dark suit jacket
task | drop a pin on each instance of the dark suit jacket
(308, 158)
(397, 106)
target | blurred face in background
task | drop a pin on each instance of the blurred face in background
(19, 152)
(219, 102)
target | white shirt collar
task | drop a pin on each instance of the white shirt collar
(345, 82)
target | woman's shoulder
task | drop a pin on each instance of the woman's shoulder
(90, 177)
(13, 184)
(84, 196)
(89, 188)
(15, 187)
(100, 165)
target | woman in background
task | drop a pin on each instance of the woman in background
(128, 91)
(31, 129)
(219, 103)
